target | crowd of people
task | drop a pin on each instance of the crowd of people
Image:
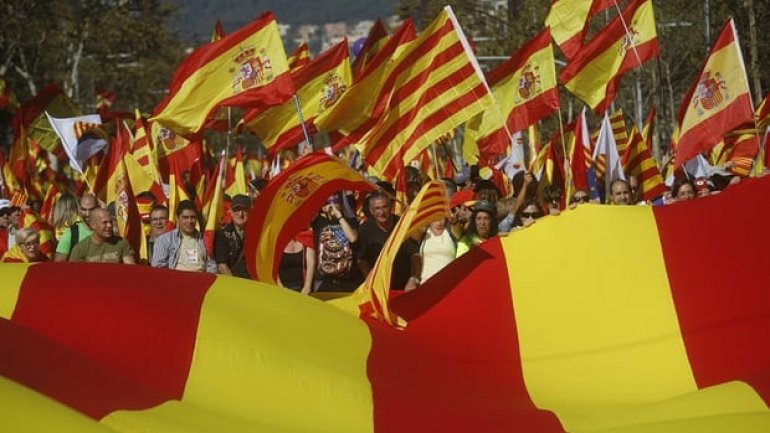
(340, 246)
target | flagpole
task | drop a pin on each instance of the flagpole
(301, 122)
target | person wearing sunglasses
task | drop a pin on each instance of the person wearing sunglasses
(552, 199)
(579, 197)
(527, 214)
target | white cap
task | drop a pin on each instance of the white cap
(4, 202)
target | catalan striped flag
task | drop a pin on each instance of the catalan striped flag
(51, 196)
(300, 57)
(606, 147)
(525, 90)
(288, 204)
(718, 100)
(594, 74)
(320, 84)
(430, 204)
(741, 146)
(247, 69)
(375, 40)
(568, 20)
(495, 342)
(437, 86)
(619, 130)
(638, 161)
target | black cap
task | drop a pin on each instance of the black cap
(240, 201)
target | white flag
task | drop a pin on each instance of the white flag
(78, 147)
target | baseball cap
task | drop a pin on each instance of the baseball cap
(240, 201)
(461, 197)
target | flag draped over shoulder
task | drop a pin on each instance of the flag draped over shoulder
(718, 101)
(525, 91)
(568, 20)
(288, 204)
(430, 204)
(320, 84)
(594, 74)
(300, 57)
(437, 85)
(247, 68)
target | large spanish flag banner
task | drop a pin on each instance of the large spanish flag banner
(568, 20)
(288, 204)
(247, 69)
(525, 90)
(320, 84)
(719, 99)
(437, 86)
(496, 342)
(594, 74)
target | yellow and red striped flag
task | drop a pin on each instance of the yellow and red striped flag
(638, 161)
(594, 74)
(525, 90)
(358, 110)
(568, 20)
(156, 350)
(287, 205)
(300, 57)
(120, 191)
(430, 204)
(320, 84)
(375, 40)
(246, 69)
(214, 205)
(437, 86)
(235, 175)
(218, 32)
(740, 147)
(718, 101)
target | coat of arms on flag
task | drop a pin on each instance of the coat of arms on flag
(299, 187)
(711, 92)
(252, 69)
(334, 88)
(530, 84)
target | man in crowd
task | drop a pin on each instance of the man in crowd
(158, 226)
(78, 231)
(228, 241)
(102, 246)
(183, 248)
(14, 224)
(620, 192)
(372, 237)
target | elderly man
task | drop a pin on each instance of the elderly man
(79, 231)
(102, 246)
(183, 248)
(620, 192)
(228, 242)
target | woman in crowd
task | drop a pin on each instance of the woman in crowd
(27, 248)
(295, 271)
(483, 226)
(65, 214)
(683, 190)
(437, 249)
(527, 214)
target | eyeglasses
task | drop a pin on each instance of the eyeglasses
(31, 244)
(530, 214)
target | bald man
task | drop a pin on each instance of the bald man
(102, 246)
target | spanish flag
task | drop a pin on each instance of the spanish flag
(288, 204)
(246, 69)
(496, 342)
(525, 91)
(437, 85)
(300, 57)
(568, 20)
(320, 84)
(120, 192)
(358, 110)
(718, 101)
(235, 175)
(594, 74)
(213, 207)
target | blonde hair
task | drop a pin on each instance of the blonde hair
(23, 234)
(65, 211)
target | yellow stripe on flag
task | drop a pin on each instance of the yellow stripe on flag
(10, 281)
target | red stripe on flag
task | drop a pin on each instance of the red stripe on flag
(488, 369)
(130, 343)
(725, 332)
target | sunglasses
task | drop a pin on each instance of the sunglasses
(530, 214)
(581, 199)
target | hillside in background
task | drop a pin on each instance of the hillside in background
(195, 18)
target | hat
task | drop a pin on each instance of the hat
(703, 184)
(240, 201)
(485, 206)
(461, 197)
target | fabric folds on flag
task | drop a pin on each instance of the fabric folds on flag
(247, 69)
(320, 84)
(437, 86)
(158, 350)
(594, 74)
(568, 20)
(430, 204)
(81, 137)
(638, 161)
(525, 90)
(288, 204)
(718, 100)
(375, 40)
(606, 147)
